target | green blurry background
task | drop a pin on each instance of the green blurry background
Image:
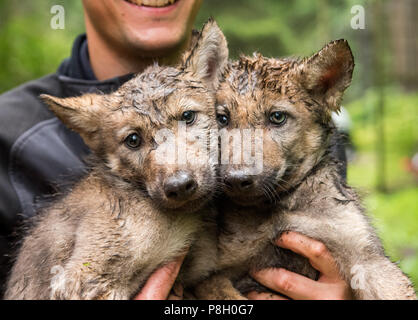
(382, 101)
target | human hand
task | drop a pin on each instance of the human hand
(160, 283)
(329, 286)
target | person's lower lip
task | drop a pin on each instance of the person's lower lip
(152, 6)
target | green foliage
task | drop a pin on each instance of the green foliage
(29, 47)
(397, 223)
(278, 28)
(401, 135)
(395, 214)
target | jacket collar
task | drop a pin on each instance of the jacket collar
(77, 76)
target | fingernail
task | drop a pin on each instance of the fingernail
(279, 239)
(253, 273)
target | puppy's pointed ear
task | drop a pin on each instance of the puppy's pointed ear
(327, 74)
(208, 59)
(80, 114)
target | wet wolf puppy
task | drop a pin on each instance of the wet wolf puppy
(130, 214)
(298, 187)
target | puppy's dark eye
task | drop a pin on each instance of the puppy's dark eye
(222, 119)
(278, 117)
(133, 141)
(188, 116)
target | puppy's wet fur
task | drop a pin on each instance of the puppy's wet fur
(130, 214)
(299, 188)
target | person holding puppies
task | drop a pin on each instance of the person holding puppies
(37, 151)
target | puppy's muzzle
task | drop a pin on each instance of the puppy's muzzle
(238, 181)
(180, 187)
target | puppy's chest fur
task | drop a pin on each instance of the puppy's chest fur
(108, 244)
(255, 231)
(145, 237)
(239, 228)
(161, 236)
(316, 202)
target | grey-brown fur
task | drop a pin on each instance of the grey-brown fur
(104, 237)
(299, 188)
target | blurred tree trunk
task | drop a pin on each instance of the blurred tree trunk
(403, 36)
(379, 83)
(5, 9)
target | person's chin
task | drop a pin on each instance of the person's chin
(156, 31)
(156, 41)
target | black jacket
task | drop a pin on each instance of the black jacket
(37, 151)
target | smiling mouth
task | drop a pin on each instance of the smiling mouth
(153, 3)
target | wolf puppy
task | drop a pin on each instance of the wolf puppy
(130, 214)
(299, 188)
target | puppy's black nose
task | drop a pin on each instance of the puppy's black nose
(239, 181)
(180, 186)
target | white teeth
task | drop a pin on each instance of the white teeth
(152, 3)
